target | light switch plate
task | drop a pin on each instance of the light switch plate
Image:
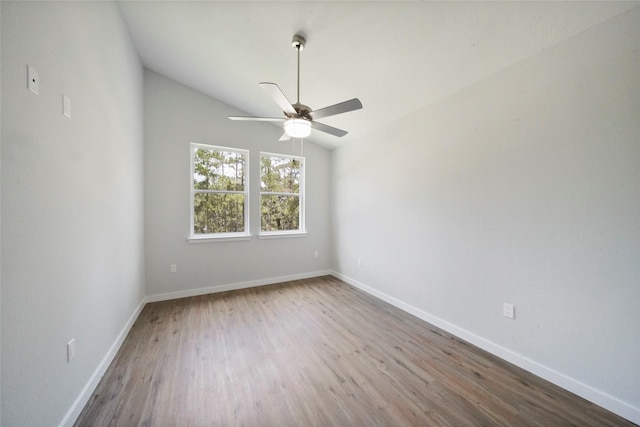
(71, 350)
(509, 311)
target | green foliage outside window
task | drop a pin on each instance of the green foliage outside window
(280, 198)
(219, 191)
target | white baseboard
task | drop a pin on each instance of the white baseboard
(585, 391)
(77, 407)
(233, 286)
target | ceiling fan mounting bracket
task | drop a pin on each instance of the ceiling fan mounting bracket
(298, 42)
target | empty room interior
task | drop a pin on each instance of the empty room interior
(421, 213)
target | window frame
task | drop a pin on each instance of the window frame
(301, 231)
(215, 237)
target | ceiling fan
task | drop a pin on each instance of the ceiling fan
(298, 118)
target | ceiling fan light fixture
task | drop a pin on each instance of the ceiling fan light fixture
(297, 128)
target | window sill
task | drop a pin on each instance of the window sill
(282, 234)
(217, 239)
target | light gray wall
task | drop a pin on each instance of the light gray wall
(523, 188)
(175, 116)
(72, 201)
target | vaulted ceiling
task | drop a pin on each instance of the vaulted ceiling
(396, 57)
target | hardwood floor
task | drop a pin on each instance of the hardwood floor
(315, 352)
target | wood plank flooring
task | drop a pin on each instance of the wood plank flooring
(315, 352)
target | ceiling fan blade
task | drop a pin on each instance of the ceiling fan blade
(328, 129)
(284, 137)
(274, 92)
(258, 119)
(332, 110)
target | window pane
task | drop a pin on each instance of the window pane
(280, 213)
(218, 213)
(218, 170)
(279, 175)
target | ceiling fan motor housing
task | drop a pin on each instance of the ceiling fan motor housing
(304, 112)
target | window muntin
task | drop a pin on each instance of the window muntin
(281, 193)
(219, 191)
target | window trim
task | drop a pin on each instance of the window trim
(282, 234)
(302, 228)
(218, 237)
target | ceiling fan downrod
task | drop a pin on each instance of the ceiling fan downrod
(298, 44)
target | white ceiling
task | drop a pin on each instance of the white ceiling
(396, 57)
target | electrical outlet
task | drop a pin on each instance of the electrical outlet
(173, 268)
(315, 254)
(33, 80)
(71, 350)
(508, 310)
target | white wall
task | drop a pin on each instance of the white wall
(72, 201)
(175, 116)
(523, 188)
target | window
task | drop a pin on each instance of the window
(219, 192)
(281, 194)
